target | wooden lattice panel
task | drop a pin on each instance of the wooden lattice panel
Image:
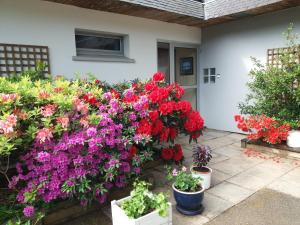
(16, 58)
(274, 55)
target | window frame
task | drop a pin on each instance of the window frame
(87, 52)
(208, 76)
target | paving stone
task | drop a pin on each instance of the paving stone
(217, 158)
(214, 205)
(230, 192)
(218, 177)
(286, 187)
(250, 182)
(293, 176)
(232, 166)
(229, 151)
(179, 219)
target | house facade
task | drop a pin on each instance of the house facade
(203, 45)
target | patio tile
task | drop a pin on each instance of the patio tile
(229, 151)
(230, 192)
(217, 158)
(293, 176)
(286, 187)
(232, 166)
(218, 177)
(250, 182)
(179, 219)
(214, 205)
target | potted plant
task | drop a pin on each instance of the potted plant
(188, 192)
(201, 157)
(142, 207)
(293, 138)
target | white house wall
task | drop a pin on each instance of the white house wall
(38, 22)
(228, 47)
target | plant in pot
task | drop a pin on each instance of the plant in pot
(142, 207)
(188, 191)
(201, 157)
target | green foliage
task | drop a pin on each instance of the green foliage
(275, 92)
(142, 202)
(184, 181)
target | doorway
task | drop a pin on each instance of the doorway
(179, 62)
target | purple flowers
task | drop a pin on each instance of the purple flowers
(28, 211)
(50, 169)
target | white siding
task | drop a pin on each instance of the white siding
(44, 23)
(228, 48)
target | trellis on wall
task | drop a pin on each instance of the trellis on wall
(274, 55)
(16, 58)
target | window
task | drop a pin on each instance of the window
(209, 75)
(100, 46)
(95, 44)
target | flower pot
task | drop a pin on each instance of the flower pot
(204, 174)
(153, 218)
(293, 139)
(189, 203)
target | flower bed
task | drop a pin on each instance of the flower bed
(79, 139)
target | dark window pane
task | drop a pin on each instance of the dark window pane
(212, 71)
(213, 79)
(205, 79)
(205, 72)
(98, 43)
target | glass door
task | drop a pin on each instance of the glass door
(185, 63)
(179, 63)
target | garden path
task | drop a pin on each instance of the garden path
(237, 175)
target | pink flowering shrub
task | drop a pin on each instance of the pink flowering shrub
(80, 139)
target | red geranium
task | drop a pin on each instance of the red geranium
(194, 122)
(153, 115)
(167, 153)
(164, 134)
(178, 153)
(150, 86)
(144, 127)
(157, 127)
(184, 106)
(166, 108)
(159, 76)
(173, 133)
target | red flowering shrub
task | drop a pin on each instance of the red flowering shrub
(264, 128)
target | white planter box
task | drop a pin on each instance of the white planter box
(120, 218)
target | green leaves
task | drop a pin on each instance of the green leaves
(275, 91)
(142, 202)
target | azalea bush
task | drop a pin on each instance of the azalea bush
(81, 138)
(263, 128)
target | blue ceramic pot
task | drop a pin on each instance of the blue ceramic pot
(189, 203)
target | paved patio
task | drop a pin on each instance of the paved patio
(237, 175)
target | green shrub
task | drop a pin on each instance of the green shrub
(275, 92)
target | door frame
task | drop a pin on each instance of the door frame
(172, 46)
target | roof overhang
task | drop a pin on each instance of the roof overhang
(186, 12)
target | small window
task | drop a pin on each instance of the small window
(209, 75)
(98, 44)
